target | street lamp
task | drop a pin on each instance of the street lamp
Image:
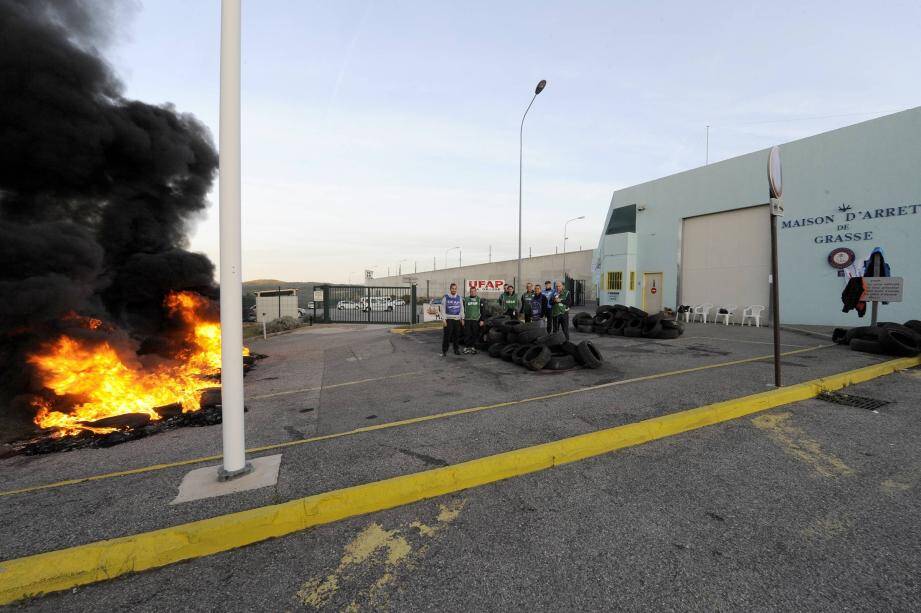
(399, 266)
(540, 87)
(564, 244)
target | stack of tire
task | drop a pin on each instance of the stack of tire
(529, 345)
(620, 320)
(887, 338)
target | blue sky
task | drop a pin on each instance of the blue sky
(375, 132)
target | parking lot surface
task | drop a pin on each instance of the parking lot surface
(724, 517)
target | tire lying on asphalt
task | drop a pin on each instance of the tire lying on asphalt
(914, 324)
(617, 327)
(589, 356)
(651, 328)
(509, 351)
(633, 328)
(495, 336)
(669, 333)
(866, 346)
(553, 340)
(570, 349)
(638, 312)
(536, 357)
(512, 325)
(898, 340)
(603, 319)
(518, 356)
(582, 319)
(562, 362)
(839, 336)
(495, 350)
(585, 328)
(533, 335)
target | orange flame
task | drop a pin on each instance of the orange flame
(107, 383)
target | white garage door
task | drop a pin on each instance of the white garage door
(726, 258)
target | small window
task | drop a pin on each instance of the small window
(632, 280)
(615, 281)
(623, 219)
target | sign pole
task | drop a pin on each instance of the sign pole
(775, 183)
(234, 464)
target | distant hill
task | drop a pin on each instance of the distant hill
(304, 289)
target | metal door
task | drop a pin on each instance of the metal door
(362, 304)
(652, 292)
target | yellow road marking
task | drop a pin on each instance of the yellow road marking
(333, 386)
(796, 443)
(63, 569)
(401, 422)
(403, 547)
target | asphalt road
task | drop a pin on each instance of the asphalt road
(815, 507)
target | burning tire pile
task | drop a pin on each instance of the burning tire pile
(620, 320)
(884, 338)
(529, 345)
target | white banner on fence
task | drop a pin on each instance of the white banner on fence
(431, 312)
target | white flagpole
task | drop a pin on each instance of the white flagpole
(235, 463)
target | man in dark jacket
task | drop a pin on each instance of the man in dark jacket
(548, 294)
(559, 311)
(526, 301)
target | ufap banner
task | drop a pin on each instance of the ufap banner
(486, 286)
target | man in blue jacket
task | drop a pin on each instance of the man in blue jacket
(452, 313)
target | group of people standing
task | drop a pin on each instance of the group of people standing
(463, 316)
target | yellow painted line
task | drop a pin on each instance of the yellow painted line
(402, 422)
(334, 385)
(426, 327)
(84, 564)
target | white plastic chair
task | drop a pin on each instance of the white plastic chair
(752, 312)
(730, 312)
(702, 311)
(687, 314)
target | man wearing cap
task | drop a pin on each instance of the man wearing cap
(473, 320)
(452, 310)
(508, 302)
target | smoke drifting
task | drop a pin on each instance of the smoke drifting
(96, 191)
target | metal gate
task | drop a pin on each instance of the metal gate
(360, 304)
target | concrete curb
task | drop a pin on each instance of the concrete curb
(64, 569)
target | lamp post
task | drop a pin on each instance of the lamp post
(540, 87)
(564, 244)
(399, 266)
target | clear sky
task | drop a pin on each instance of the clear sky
(375, 132)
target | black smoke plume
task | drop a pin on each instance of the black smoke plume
(96, 191)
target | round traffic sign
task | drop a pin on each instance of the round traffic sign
(775, 174)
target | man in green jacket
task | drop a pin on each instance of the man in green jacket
(473, 320)
(508, 302)
(559, 309)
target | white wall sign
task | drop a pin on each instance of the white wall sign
(883, 289)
